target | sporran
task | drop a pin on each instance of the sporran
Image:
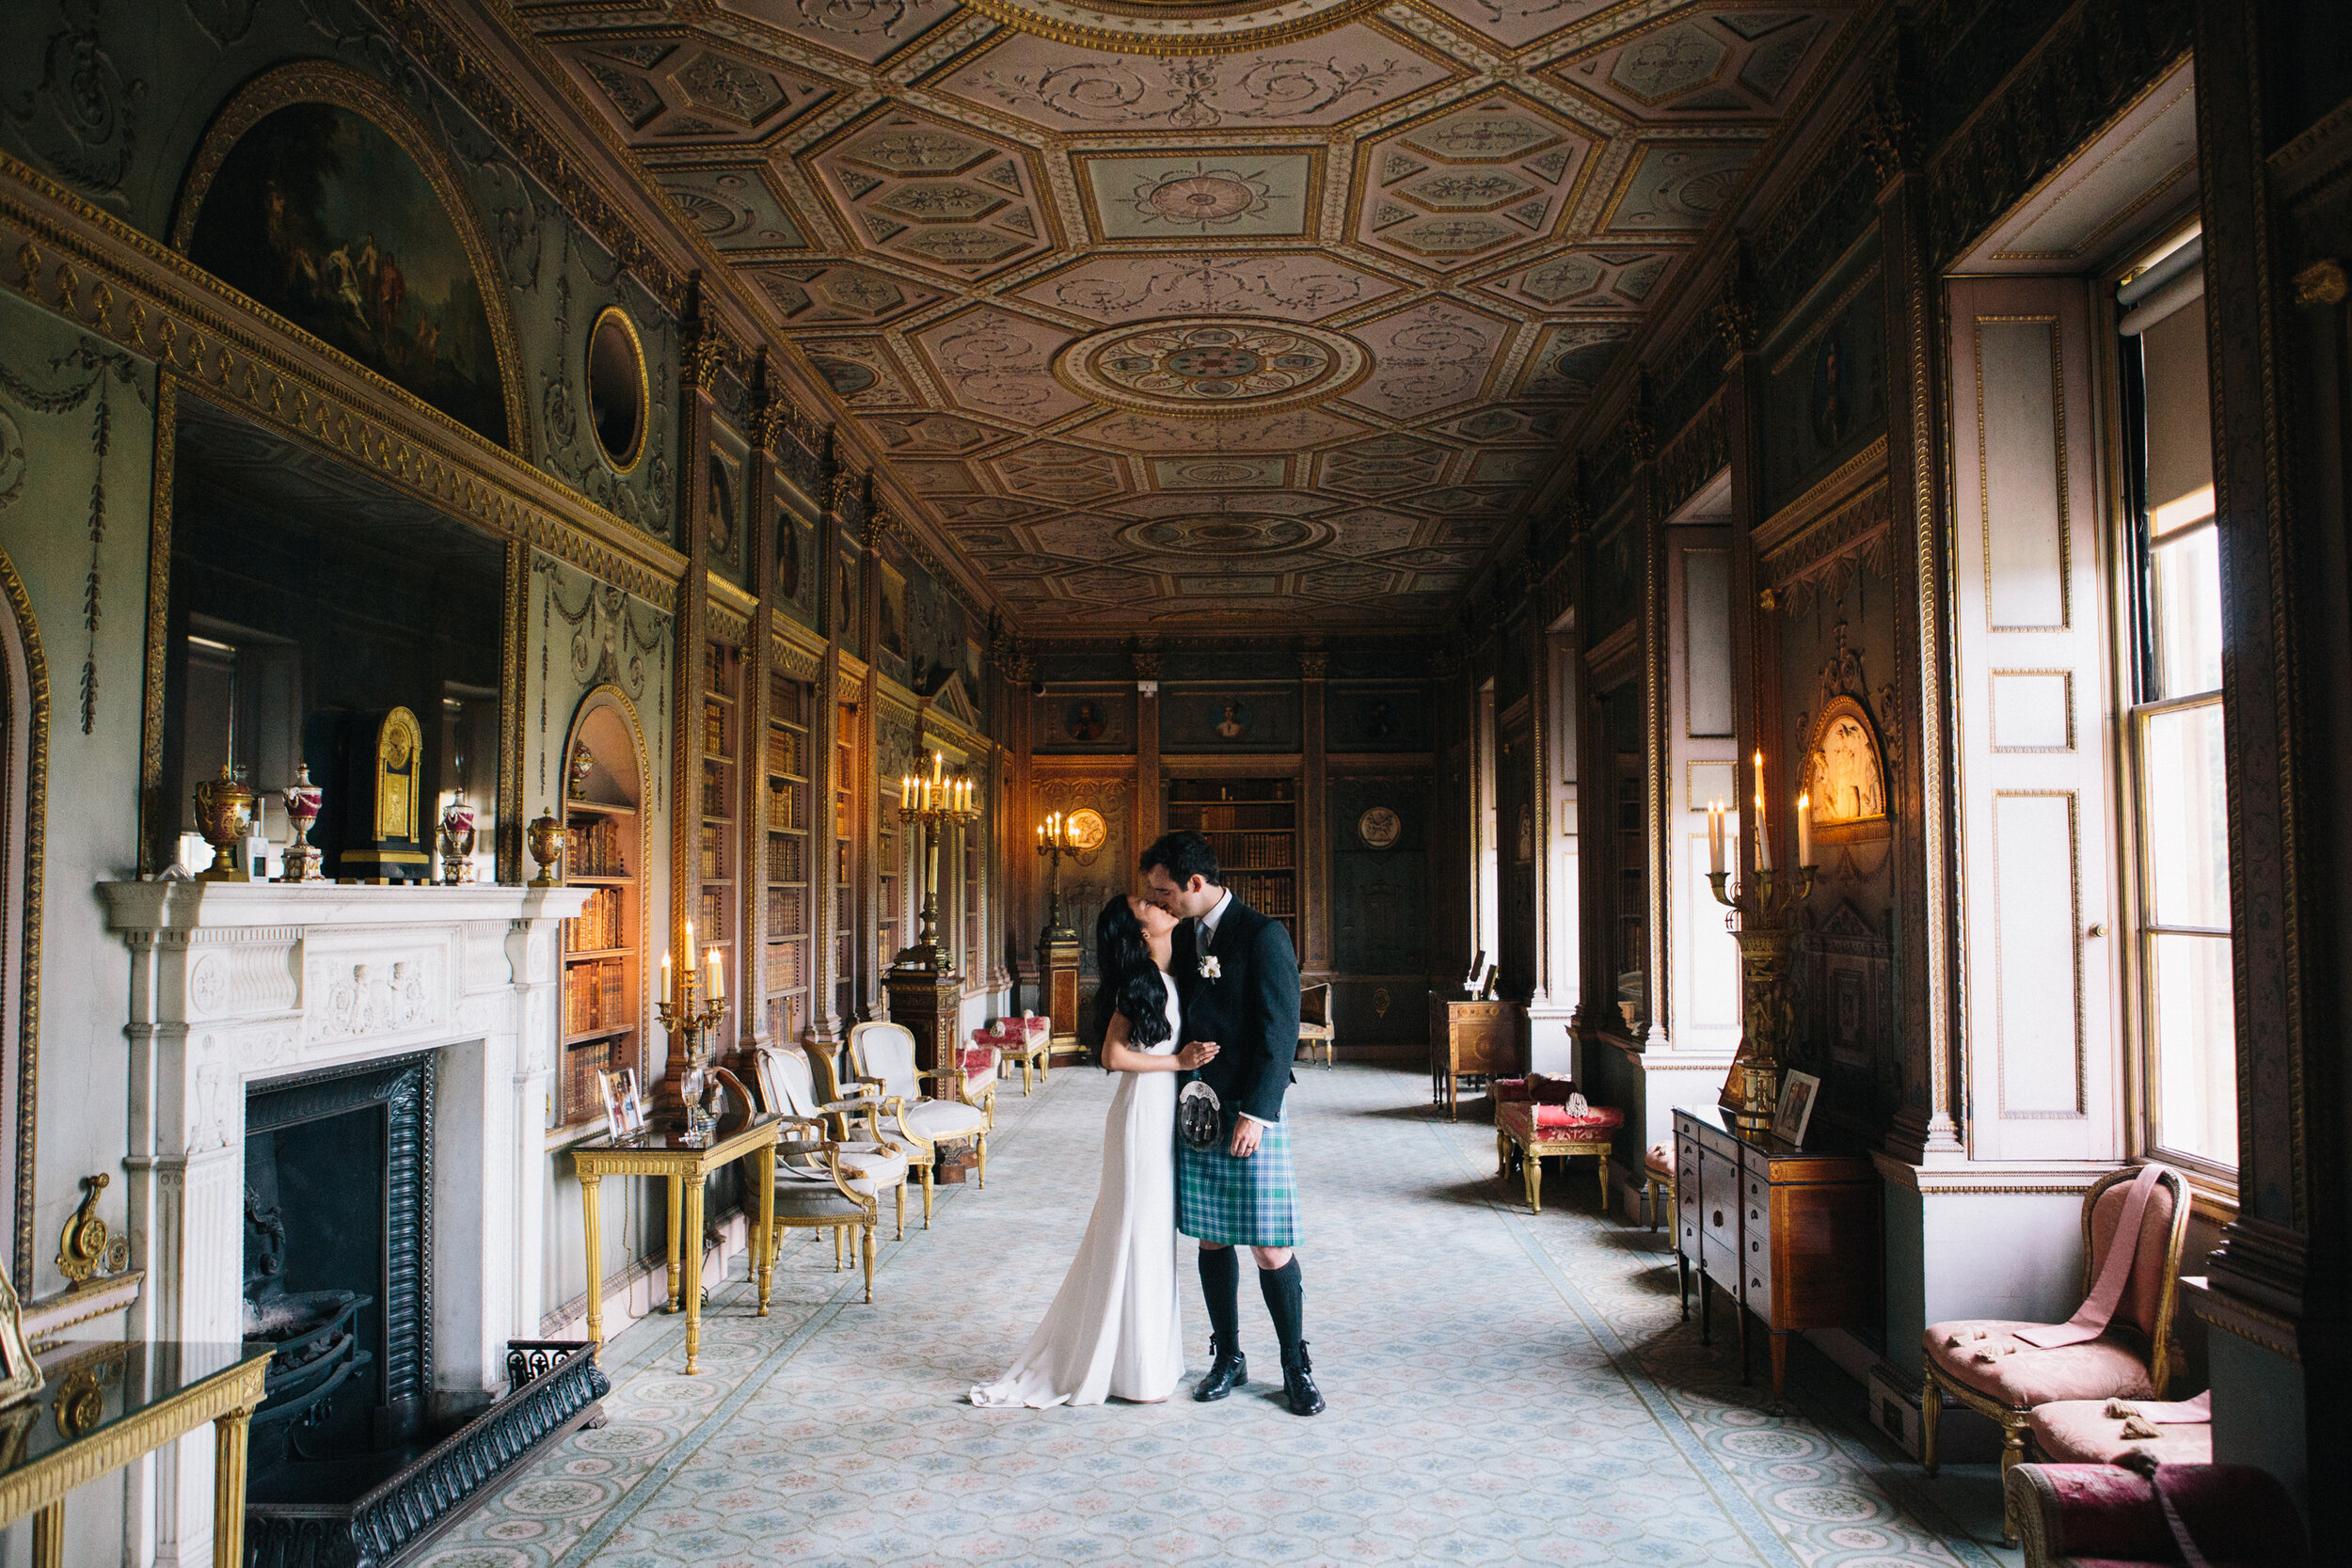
(1199, 1116)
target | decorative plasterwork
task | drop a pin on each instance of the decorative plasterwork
(1473, 202)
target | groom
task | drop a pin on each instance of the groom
(1237, 983)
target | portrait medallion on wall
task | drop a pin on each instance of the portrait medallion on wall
(1087, 831)
(1378, 828)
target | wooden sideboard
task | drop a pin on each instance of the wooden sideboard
(1789, 1234)
(1482, 1038)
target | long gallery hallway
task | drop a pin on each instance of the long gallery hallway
(1505, 1388)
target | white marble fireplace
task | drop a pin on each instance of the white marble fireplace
(233, 983)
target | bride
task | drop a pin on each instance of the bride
(1114, 1330)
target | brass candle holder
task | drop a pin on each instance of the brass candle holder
(931, 806)
(690, 1015)
(1764, 924)
(1053, 843)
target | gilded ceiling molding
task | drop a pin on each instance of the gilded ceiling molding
(1174, 27)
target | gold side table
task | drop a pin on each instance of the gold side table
(105, 1406)
(684, 1162)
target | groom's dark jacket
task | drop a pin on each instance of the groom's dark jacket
(1250, 1009)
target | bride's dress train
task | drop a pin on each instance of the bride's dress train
(1115, 1329)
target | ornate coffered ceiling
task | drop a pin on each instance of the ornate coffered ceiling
(1202, 313)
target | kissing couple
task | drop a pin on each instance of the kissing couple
(1209, 1157)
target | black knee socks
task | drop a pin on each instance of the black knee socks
(1220, 1286)
(1286, 1302)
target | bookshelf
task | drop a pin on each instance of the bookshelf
(603, 999)
(890, 932)
(719, 847)
(786, 967)
(1253, 825)
(975, 964)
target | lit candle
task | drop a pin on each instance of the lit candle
(1715, 837)
(1041, 832)
(1763, 836)
(939, 766)
(1805, 830)
(668, 996)
(717, 975)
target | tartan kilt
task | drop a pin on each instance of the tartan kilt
(1251, 1202)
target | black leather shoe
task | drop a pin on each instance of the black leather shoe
(1228, 1371)
(1298, 1386)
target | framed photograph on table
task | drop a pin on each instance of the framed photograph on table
(624, 1111)
(1796, 1107)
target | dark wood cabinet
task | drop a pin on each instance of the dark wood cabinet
(1479, 1038)
(1791, 1235)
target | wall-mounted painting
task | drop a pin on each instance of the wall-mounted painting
(1616, 578)
(1085, 720)
(1356, 719)
(892, 638)
(846, 605)
(316, 211)
(1209, 719)
(1827, 398)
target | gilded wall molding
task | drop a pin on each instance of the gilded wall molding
(726, 624)
(1699, 452)
(1816, 563)
(36, 699)
(59, 253)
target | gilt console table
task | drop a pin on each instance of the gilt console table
(684, 1162)
(104, 1406)
(1791, 1235)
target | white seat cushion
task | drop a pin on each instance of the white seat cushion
(814, 1201)
(934, 1119)
(869, 1169)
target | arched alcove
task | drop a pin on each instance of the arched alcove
(605, 949)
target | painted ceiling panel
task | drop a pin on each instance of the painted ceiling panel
(1273, 321)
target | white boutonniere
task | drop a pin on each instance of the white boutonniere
(1211, 969)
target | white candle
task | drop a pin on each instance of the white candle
(667, 997)
(1805, 830)
(1715, 837)
(718, 975)
(1763, 835)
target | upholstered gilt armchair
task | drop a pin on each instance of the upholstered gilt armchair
(882, 1055)
(1316, 1030)
(814, 1192)
(2159, 1516)
(1987, 1366)
(871, 1163)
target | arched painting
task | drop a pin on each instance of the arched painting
(313, 209)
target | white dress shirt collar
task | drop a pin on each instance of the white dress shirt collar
(1209, 921)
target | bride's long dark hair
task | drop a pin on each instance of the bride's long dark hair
(1130, 981)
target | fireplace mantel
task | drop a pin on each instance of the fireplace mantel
(232, 983)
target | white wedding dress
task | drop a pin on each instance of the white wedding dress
(1115, 1329)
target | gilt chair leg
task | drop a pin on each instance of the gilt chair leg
(866, 1230)
(1931, 1407)
(902, 1211)
(983, 1143)
(926, 1196)
(1534, 1182)
(2013, 1430)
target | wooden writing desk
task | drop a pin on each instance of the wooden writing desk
(1791, 1235)
(683, 1162)
(1471, 1036)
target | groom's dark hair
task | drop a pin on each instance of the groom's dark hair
(1187, 855)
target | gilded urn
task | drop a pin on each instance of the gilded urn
(223, 808)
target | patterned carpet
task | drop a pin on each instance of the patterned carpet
(1503, 1389)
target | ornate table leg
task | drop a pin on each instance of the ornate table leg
(693, 1238)
(677, 1191)
(591, 1222)
(764, 1241)
(49, 1536)
(228, 1457)
(1602, 1160)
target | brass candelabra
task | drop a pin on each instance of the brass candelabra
(931, 806)
(1053, 843)
(1763, 921)
(690, 1012)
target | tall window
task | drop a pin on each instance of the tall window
(2188, 1057)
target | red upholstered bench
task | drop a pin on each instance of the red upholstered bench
(1526, 1131)
(2110, 1515)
